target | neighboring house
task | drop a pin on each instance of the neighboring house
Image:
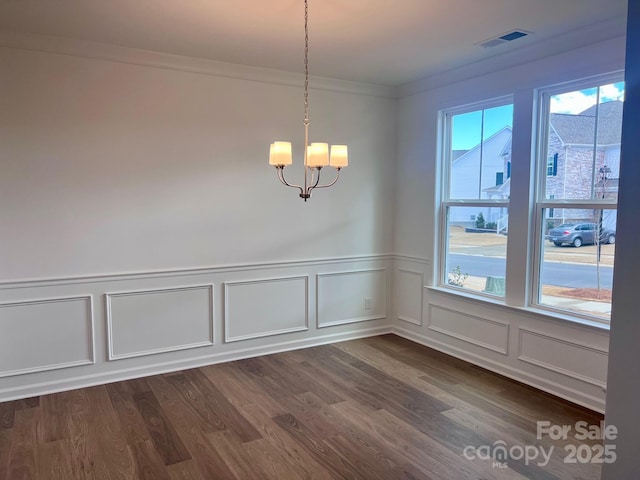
(474, 172)
(569, 167)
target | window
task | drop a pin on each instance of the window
(552, 165)
(475, 202)
(577, 190)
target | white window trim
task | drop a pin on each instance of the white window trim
(445, 202)
(540, 202)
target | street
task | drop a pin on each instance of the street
(571, 275)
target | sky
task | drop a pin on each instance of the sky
(467, 127)
(580, 100)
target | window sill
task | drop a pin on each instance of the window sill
(541, 313)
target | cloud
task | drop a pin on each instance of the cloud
(572, 102)
(610, 92)
(579, 101)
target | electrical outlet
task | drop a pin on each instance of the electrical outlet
(367, 303)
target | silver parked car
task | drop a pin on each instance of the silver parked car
(578, 234)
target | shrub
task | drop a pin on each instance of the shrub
(480, 220)
(491, 225)
(457, 278)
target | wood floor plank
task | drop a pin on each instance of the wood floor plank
(167, 441)
(403, 392)
(257, 370)
(209, 461)
(417, 448)
(148, 462)
(54, 410)
(5, 450)
(31, 402)
(240, 389)
(242, 466)
(77, 428)
(278, 366)
(282, 446)
(108, 455)
(194, 399)
(7, 414)
(54, 462)
(130, 418)
(348, 438)
(321, 452)
(187, 470)
(270, 461)
(23, 458)
(223, 407)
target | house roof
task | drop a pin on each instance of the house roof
(458, 154)
(455, 154)
(507, 148)
(502, 189)
(579, 129)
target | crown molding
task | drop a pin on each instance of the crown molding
(575, 39)
(114, 53)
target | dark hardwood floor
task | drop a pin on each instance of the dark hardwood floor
(377, 408)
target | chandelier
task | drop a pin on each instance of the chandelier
(316, 155)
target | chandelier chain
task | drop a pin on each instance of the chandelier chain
(306, 62)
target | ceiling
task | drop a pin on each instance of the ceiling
(389, 42)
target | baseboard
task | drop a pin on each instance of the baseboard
(66, 384)
(566, 393)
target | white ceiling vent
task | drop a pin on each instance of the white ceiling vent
(502, 39)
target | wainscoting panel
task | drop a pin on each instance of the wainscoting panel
(563, 356)
(145, 322)
(408, 287)
(260, 308)
(351, 296)
(490, 334)
(48, 334)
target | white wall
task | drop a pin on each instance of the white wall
(110, 167)
(143, 229)
(565, 358)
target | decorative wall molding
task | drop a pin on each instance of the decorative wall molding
(88, 300)
(110, 297)
(522, 332)
(179, 272)
(407, 318)
(228, 286)
(20, 386)
(382, 314)
(408, 258)
(133, 56)
(502, 349)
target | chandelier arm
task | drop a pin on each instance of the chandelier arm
(328, 184)
(280, 171)
(314, 182)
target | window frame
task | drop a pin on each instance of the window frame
(445, 202)
(540, 203)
